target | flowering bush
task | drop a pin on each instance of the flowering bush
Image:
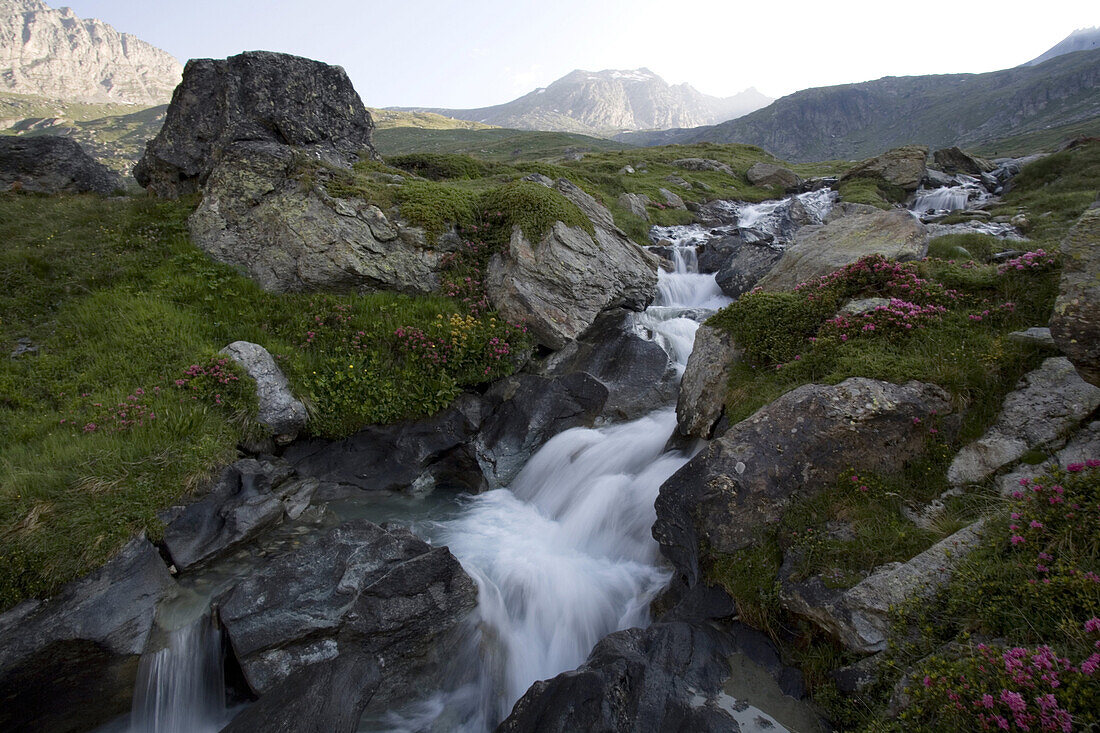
(897, 316)
(1038, 260)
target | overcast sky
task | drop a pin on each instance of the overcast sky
(474, 53)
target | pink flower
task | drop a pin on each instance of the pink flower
(1093, 624)
(1017, 539)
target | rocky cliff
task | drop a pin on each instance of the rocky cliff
(53, 53)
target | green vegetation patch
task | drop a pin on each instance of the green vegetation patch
(533, 207)
(438, 166)
(870, 192)
(125, 406)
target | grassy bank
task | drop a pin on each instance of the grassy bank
(124, 406)
(948, 323)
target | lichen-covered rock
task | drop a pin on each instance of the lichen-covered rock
(703, 387)
(52, 164)
(559, 284)
(955, 160)
(859, 617)
(280, 411)
(672, 199)
(850, 233)
(1075, 323)
(79, 650)
(745, 479)
(635, 203)
(769, 174)
(255, 97)
(703, 164)
(290, 235)
(1046, 404)
(744, 267)
(902, 167)
(358, 597)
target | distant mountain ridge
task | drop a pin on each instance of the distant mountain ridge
(606, 102)
(860, 120)
(1082, 39)
(54, 54)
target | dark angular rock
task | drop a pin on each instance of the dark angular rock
(415, 455)
(745, 479)
(68, 664)
(52, 164)
(256, 97)
(702, 395)
(358, 597)
(249, 497)
(713, 254)
(955, 160)
(769, 174)
(636, 372)
(745, 266)
(527, 411)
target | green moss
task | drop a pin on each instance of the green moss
(967, 246)
(436, 206)
(750, 577)
(869, 192)
(773, 327)
(534, 208)
(440, 166)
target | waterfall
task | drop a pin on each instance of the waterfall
(181, 688)
(945, 198)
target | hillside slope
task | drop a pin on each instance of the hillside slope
(861, 120)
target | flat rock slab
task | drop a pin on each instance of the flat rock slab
(859, 616)
(1034, 336)
(1045, 406)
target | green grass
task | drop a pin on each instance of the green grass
(120, 304)
(870, 192)
(385, 119)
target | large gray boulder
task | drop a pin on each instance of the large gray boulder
(358, 598)
(250, 496)
(1075, 322)
(744, 480)
(635, 203)
(769, 174)
(68, 664)
(859, 617)
(702, 396)
(902, 167)
(279, 410)
(669, 677)
(1046, 404)
(956, 160)
(850, 233)
(745, 266)
(255, 97)
(259, 213)
(52, 164)
(559, 284)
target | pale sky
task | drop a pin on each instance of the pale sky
(475, 53)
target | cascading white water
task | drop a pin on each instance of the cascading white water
(565, 556)
(181, 688)
(945, 198)
(774, 218)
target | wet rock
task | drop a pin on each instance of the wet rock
(902, 167)
(745, 479)
(259, 214)
(560, 284)
(326, 697)
(850, 233)
(78, 651)
(528, 410)
(411, 455)
(1033, 336)
(635, 371)
(712, 254)
(255, 97)
(938, 179)
(664, 678)
(703, 387)
(858, 617)
(703, 164)
(52, 164)
(1075, 323)
(280, 411)
(1046, 404)
(249, 497)
(954, 160)
(769, 174)
(746, 266)
(358, 597)
(635, 203)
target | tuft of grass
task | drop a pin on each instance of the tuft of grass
(870, 192)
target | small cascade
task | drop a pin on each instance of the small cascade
(775, 222)
(945, 198)
(181, 688)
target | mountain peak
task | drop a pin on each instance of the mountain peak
(1082, 39)
(53, 53)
